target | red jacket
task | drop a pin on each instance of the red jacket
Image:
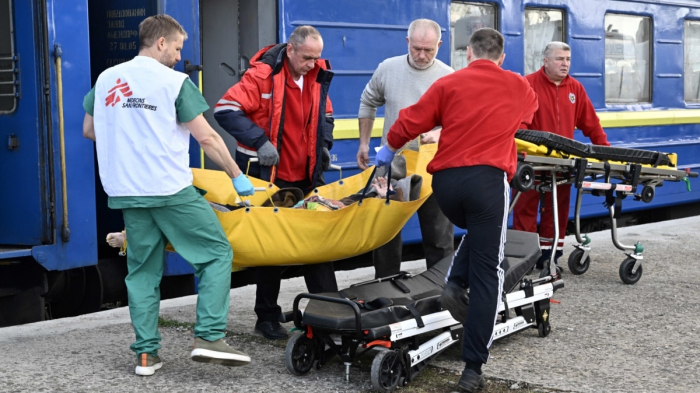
(563, 108)
(479, 108)
(252, 110)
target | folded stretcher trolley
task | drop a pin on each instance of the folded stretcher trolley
(560, 160)
(391, 316)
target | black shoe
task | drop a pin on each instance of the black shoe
(544, 257)
(471, 381)
(271, 330)
(545, 271)
(454, 299)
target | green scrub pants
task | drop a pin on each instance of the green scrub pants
(196, 234)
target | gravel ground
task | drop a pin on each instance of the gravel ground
(606, 336)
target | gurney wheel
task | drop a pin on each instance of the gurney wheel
(647, 194)
(575, 265)
(299, 356)
(626, 271)
(544, 329)
(524, 178)
(386, 371)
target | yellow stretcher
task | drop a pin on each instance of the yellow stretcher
(265, 236)
(611, 172)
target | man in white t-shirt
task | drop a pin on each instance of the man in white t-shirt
(389, 87)
(140, 114)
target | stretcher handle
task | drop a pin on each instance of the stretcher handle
(339, 169)
(369, 183)
(355, 309)
(251, 159)
(389, 191)
(257, 189)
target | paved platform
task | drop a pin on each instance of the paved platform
(606, 336)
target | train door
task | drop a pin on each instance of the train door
(220, 58)
(232, 32)
(25, 215)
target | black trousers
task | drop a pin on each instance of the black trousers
(319, 277)
(438, 241)
(476, 198)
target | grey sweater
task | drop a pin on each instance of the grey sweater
(397, 85)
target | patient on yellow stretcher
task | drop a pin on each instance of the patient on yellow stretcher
(405, 189)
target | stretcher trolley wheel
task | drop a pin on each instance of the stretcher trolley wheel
(300, 355)
(576, 266)
(647, 194)
(524, 178)
(386, 371)
(543, 329)
(626, 274)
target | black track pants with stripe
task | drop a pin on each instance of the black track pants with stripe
(476, 198)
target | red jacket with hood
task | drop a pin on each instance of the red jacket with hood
(252, 110)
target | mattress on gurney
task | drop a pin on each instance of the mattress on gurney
(566, 146)
(386, 302)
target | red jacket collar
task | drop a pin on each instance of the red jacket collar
(483, 63)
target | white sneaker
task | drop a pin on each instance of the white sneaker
(217, 352)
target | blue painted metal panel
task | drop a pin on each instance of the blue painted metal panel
(113, 40)
(114, 33)
(13, 253)
(186, 12)
(67, 26)
(24, 216)
(358, 35)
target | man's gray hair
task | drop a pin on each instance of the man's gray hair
(425, 24)
(300, 34)
(554, 45)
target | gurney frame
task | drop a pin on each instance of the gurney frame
(583, 173)
(399, 354)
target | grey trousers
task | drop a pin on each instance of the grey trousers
(438, 241)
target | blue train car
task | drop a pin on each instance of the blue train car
(639, 61)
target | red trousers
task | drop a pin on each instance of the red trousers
(525, 215)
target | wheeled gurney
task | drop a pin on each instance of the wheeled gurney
(388, 315)
(560, 160)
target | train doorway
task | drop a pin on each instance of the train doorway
(232, 32)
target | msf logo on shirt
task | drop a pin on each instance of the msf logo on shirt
(120, 89)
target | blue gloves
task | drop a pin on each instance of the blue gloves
(384, 156)
(242, 185)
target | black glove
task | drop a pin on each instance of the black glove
(325, 159)
(267, 155)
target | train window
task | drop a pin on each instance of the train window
(8, 88)
(627, 59)
(691, 63)
(542, 26)
(464, 19)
